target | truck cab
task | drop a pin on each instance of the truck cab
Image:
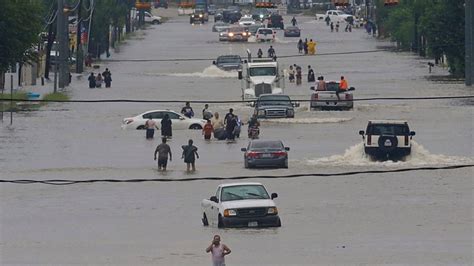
(261, 76)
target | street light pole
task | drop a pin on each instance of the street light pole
(79, 52)
(469, 42)
(63, 42)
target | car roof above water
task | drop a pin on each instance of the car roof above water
(241, 184)
(389, 121)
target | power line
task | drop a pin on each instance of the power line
(237, 101)
(351, 173)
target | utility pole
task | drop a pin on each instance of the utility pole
(469, 42)
(63, 42)
(79, 52)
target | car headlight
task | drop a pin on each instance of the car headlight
(200, 15)
(272, 210)
(231, 34)
(261, 112)
(261, 15)
(244, 34)
(230, 212)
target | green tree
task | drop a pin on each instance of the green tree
(106, 13)
(443, 26)
(439, 23)
(21, 21)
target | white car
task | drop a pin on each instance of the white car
(265, 34)
(246, 21)
(240, 205)
(178, 121)
(150, 18)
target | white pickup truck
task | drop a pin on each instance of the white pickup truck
(240, 205)
(261, 76)
(334, 15)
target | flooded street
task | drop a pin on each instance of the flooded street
(403, 218)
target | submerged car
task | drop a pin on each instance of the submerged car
(240, 205)
(261, 14)
(387, 139)
(246, 21)
(220, 27)
(199, 16)
(228, 62)
(292, 31)
(274, 106)
(178, 120)
(234, 34)
(265, 34)
(332, 97)
(269, 153)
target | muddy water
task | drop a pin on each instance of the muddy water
(417, 217)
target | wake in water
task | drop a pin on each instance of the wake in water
(308, 120)
(208, 72)
(356, 156)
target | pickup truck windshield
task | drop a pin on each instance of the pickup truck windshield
(384, 129)
(244, 192)
(263, 71)
(274, 100)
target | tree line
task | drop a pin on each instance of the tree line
(433, 28)
(29, 26)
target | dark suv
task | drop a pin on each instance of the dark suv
(276, 21)
(228, 62)
(275, 106)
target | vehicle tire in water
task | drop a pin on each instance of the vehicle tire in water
(204, 220)
(195, 126)
(141, 127)
(278, 223)
(220, 223)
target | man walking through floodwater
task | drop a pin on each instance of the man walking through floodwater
(189, 155)
(163, 150)
(218, 251)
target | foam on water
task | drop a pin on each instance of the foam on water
(307, 120)
(420, 156)
(208, 72)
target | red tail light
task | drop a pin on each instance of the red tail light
(369, 139)
(257, 36)
(315, 96)
(252, 154)
(348, 96)
(279, 153)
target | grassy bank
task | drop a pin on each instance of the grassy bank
(56, 96)
(18, 106)
(5, 105)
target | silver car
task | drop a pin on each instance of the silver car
(266, 153)
(220, 27)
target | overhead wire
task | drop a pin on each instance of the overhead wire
(234, 101)
(211, 178)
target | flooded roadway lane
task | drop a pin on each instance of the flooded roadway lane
(409, 218)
